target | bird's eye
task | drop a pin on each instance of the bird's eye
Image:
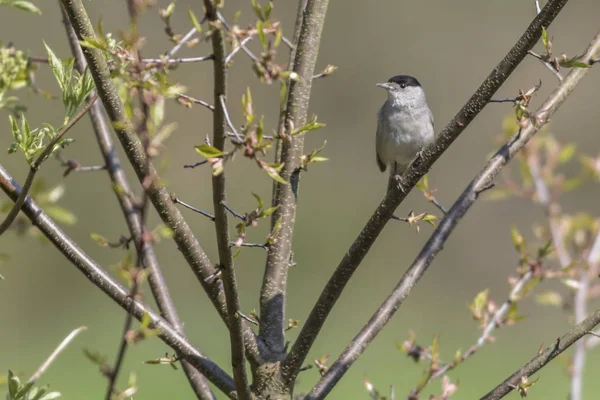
(403, 85)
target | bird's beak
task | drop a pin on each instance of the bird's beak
(384, 85)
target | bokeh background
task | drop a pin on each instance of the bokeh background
(451, 47)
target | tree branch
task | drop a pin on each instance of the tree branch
(236, 336)
(480, 183)
(411, 177)
(273, 290)
(102, 280)
(35, 166)
(158, 194)
(157, 282)
(544, 357)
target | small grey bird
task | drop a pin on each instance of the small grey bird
(404, 126)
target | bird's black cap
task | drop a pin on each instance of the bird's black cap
(404, 79)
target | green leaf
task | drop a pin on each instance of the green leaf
(269, 211)
(275, 231)
(26, 6)
(101, 240)
(194, 21)
(478, 305)
(275, 176)
(208, 151)
(278, 37)
(165, 232)
(566, 153)
(282, 94)
(546, 250)
(14, 383)
(423, 184)
(257, 10)
(574, 63)
(308, 126)
(430, 219)
(260, 130)
(51, 396)
(549, 298)
(57, 67)
(61, 214)
(261, 33)
(258, 200)
(544, 37)
(517, 239)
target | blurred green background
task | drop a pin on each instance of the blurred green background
(451, 47)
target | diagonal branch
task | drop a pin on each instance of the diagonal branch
(419, 167)
(544, 357)
(102, 280)
(236, 324)
(272, 294)
(157, 193)
(483, 181)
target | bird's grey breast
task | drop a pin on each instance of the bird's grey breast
(402, 131)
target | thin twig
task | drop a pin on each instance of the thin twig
(38, 161)
(505, 100)
(495, 321)
(547, 65)
(247, 318)
(194, 165)
(232, 211)
(237, 49)
(114, 373)
(55, 354)
(439, 205)
(177, 60)
(198, 101)
(544, 357)
(369, 234)
(437, 240)
(228, 118)
(261, 245)
(249, 53)
(176, 200)
(188, 36)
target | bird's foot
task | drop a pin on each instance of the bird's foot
(398, 182)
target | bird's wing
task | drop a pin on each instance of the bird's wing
(378, 143)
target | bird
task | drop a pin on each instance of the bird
(404, 125)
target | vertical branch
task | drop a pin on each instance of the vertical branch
(420, 166)
(236, 337)
(158, 285)
(593, 264)
(272, 295)
(552, 209)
